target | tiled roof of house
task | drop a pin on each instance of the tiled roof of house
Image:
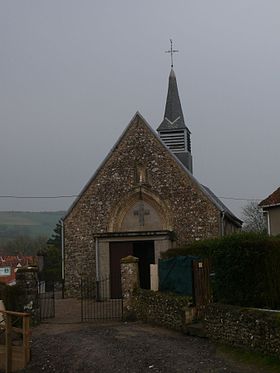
(273, 199)
(14, 260)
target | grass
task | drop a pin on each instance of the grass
(32, 224)
(255, 361)
(29, 218)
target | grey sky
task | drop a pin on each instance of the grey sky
(73, 73)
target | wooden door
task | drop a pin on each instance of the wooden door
(118, 250)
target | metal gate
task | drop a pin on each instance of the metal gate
(96, 301)
(46, 295)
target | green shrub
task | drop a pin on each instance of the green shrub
(203, 249)
(12, 297)
(246, 268)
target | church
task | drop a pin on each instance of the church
(141, 201)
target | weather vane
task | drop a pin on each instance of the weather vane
(171, 51)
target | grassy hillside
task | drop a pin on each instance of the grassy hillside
(32, 224)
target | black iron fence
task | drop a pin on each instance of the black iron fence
(46, 295)
(96, 300)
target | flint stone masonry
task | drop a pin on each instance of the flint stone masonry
(27, 280)
(165, 309)
(188, 212)
(130, 282)
(253, 329)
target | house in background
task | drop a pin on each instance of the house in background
(10, 264)
(143, 200)
(271, 211)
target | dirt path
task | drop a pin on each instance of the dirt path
(65, 345)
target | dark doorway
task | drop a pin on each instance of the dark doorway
(144, 250)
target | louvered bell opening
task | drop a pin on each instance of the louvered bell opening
(189, 147)
(175, 141)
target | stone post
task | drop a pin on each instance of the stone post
(130, 281)
(27, 281)
(154, 277)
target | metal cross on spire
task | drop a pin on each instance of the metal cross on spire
(171, 51)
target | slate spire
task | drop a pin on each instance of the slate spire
(173, 115)
(173, 130)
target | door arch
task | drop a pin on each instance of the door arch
(140, 211)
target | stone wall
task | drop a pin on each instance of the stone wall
(187, 211)
(164, 309)
(27, 281)
(257, 330)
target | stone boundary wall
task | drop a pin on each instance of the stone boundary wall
(163, 309)
(23, 296)
(27, 280)
(256, 330)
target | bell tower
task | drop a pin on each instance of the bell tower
(173, 130)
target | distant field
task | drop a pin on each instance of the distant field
(33, 224)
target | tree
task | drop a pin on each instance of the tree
(52, 255)
(55, 238)
(253, 218)
(24, 245)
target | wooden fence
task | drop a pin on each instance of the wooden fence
(202, 287)
(15, 352)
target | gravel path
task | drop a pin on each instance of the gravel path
(122, 347)
(65, 345)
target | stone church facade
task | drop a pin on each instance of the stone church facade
(142, 201)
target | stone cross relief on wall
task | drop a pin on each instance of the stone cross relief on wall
(141, 212)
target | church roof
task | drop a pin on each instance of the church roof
(173, 115)
(221, 206)
(272, 200)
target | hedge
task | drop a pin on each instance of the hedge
(246, 268)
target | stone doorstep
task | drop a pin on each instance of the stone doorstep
(195, 330)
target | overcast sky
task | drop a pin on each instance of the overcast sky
(74, 72)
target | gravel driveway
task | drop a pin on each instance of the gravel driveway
(65, 345)
(122, 347)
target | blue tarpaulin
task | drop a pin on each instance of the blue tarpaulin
(175, 275)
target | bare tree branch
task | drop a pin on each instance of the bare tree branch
(253, 218)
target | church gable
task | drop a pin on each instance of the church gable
(142, 186)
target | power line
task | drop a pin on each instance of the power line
(40, 197)
(76, 195)
(241, 199)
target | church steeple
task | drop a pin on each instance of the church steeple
(173, 130)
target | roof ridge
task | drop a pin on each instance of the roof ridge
(272, 199)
